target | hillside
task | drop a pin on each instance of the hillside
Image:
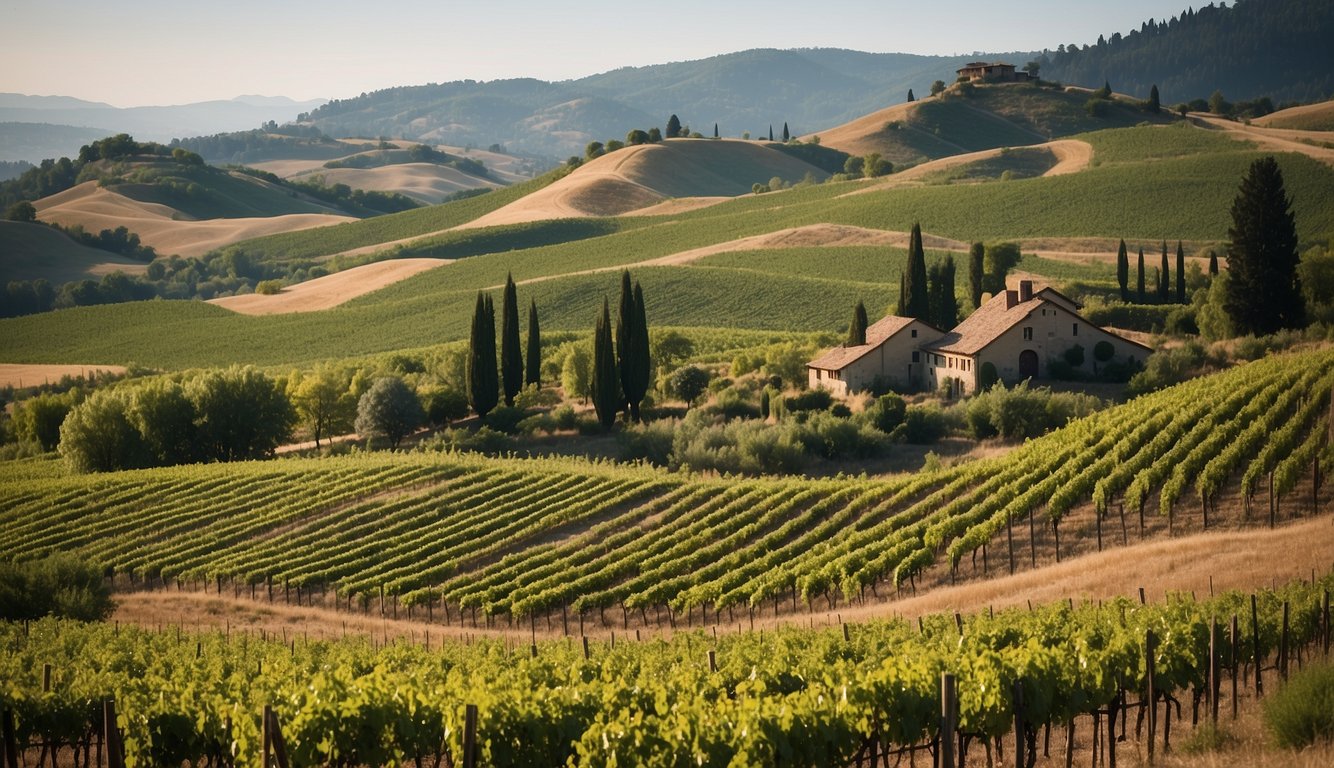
(640, 176)
(163, 227)
(969, 118)
(1308, 117)
(1143, 184)
(748, 91)
(1255, 48)
(35, 252)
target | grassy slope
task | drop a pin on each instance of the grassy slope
(311, 244)
(992, 116)
(1172, 195)
(205, 192)
(36, 252)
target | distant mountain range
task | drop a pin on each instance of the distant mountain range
(27, 133)
(749, 91)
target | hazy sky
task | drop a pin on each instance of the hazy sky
(139, 52)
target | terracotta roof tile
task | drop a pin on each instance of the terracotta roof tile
(877, 333)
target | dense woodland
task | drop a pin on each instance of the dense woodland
(1255, 48)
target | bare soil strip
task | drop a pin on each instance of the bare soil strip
(331, 290)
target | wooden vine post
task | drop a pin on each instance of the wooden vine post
(115, 748)
(1150, 647)
(470, 736)
(10, 739)
(1018, 689)
(948, 719)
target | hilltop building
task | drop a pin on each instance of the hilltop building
(1010, 338)
(996, 72)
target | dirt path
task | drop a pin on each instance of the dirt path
(330, 290)
(1277, 139)
(21, 375)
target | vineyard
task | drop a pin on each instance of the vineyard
(449, 535)
(849, 695)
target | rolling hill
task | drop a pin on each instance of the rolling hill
(969, 118)
(638, 177)
(1145, 183)
(35, 252)
(167, 229)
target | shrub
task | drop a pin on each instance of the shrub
(811, 400)
(1171, 366)
(445, 405)
(269, 287)
(689, 383)
(1020, 413)
(886, 414)
(1302, 711)
(987, 376)
(732, 404)
(924, 424)
(60, 585)
(1103, 351)
(1074, 355)
(651, 442)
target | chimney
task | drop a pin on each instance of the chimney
(1011, 298)
(1025, 290)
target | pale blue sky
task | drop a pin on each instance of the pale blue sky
(140, 52)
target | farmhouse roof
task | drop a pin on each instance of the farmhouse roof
(877, 333)
(1003, 312)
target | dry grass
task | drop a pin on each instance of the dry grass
(638, 177)
(162, 227)
(424, 182)
(21, 375)
(858, 137)
(1275, 139)
(331, 290)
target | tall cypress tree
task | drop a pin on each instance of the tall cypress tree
(1139, 293)
(1164, 279)
(918, 303)
(1181, 274)
(511, 354)
(857, 330)
(1213, 263)
(1263, 291)
(715, 130)
(1123, 271)
(673, 127)
(482, 379)
(901, 306)
(533, 370)
(625, 333)
(1153, 105)
(606, 384)
(910, 96)
(640, 365)
(976, 270)
(771, 133)
(944, 306)
(786, 135)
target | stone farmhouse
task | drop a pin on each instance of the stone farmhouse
(996, 73)
(1010, 338)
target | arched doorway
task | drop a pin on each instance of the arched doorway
(1028, 364)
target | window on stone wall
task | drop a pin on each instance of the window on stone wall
(1028, 333)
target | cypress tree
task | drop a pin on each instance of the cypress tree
(1153, 105)
(910, 96)
(1164, 279)
(857, 330)
(1181, 274)
(918, 303)
(1140, 284)
(944, 306)
(901, 306)
(771, 133)
(605, 385)
(786, 135)
(483, 386)
(1213, 263)
(673, 127)
(533, 372)
(641, 365)
(1264, 291)
(1123, 271)
(511, 354)
(715, 130)
(976, 270)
